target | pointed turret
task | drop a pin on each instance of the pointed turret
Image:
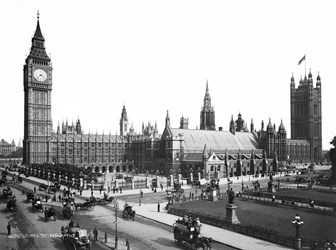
(252, 125)
(232, 126)
(167, 120)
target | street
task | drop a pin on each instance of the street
(30, 231)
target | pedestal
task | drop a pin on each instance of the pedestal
(231, 216)
(297, 243)
(271, 188)
(213, 196)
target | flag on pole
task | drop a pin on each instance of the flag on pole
(303, 58)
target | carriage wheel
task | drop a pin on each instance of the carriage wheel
(103, 202)
(90, 208)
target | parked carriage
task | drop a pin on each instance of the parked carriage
(7, 193)
(11, 204)
(75, 237)
(186, 233)
(37, 204)
(30, 196)
(49, 213)
(128, 212)
(43, 187)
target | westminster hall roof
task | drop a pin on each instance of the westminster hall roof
(194, 140)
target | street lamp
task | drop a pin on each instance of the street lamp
(297, 222)
(116, 223)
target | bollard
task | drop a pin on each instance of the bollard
(105, 237)
(127, 243)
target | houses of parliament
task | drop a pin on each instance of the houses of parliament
(212, 152)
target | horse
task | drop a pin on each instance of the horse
(67, 213)
(206, 241)
(48, 213)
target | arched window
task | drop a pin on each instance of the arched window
(212, 168)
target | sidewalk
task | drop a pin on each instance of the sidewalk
(149, 211)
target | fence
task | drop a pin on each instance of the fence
(255, 231)
(294, 200)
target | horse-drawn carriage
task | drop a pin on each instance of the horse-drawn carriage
(67, 213)
(187, 231)
(68, 201)
(6, 193)
(98, 201)
(30, 196)
(49, 213)
(128, 212)
(11, 204)
(37, 204)
(87, 205)
(43, 187)
(75, 237)
(3, 181)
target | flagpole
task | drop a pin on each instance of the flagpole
(305, 64)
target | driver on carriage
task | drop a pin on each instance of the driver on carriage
(105, 196)
(126, 205)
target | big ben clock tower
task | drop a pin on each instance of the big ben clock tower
(37, 82)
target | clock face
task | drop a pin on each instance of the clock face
(40, 75)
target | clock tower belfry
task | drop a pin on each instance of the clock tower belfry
(37, 83)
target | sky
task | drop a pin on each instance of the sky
(154, 56)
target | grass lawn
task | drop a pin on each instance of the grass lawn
(279, 218)
(309, 194)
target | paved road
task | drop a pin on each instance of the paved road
(30, 231)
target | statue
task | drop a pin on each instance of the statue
(231, 195)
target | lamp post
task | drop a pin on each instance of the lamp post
(116, 223)
(297, 222)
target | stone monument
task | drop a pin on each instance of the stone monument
(231, 208)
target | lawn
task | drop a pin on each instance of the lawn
(278, 218)
(308, 194)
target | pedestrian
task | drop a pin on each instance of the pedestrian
(158, 206)
(9, 228)
(273, 198)
(35, 190)
(80, 191)
(100, 189)
(59, 198)
(120, 190)
(196, 191)
(141, 193)
(46, 198)
(95, 234)
(192, 196)
(54, 198)
(91, 193)
(161, 186)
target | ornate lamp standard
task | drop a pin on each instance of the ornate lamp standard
(297, 222)
(116, 223)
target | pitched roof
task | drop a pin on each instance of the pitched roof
(194, 140)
